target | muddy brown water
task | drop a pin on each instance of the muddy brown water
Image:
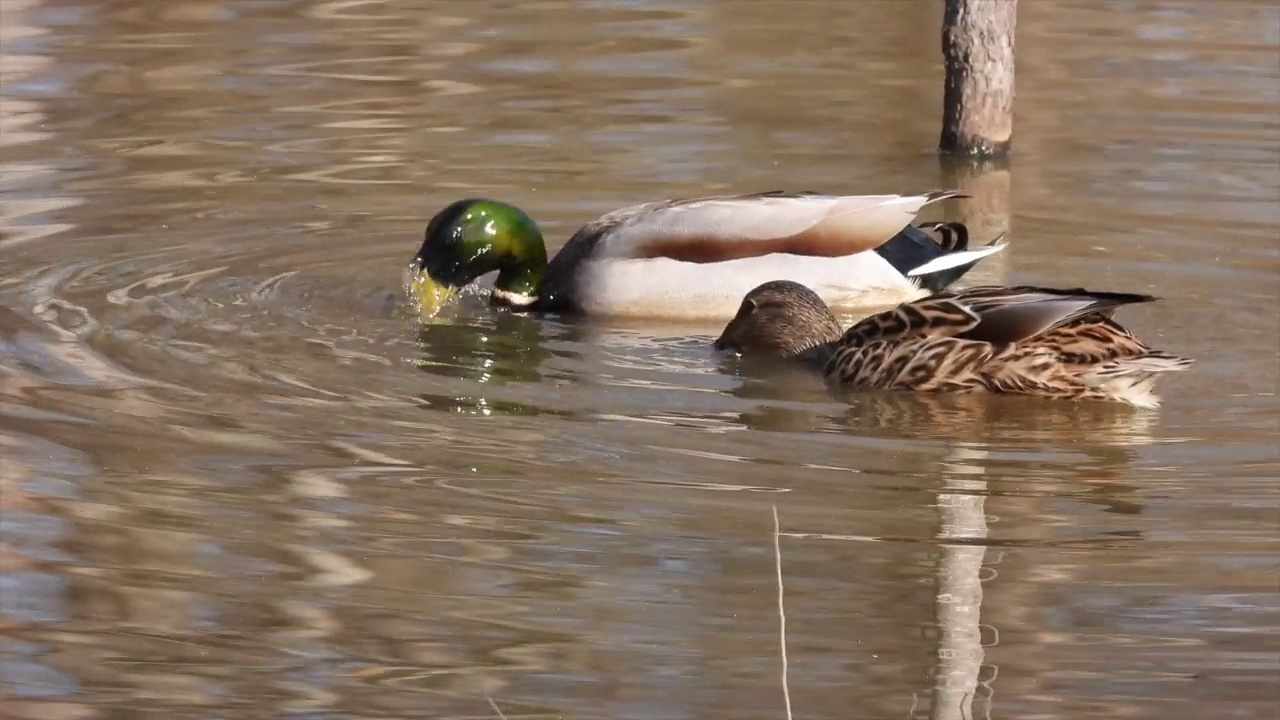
(237, 482)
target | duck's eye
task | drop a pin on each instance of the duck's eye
(748, 306)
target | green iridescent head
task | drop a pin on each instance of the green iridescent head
(474, 237)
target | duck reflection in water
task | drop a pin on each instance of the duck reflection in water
(486, 349)
(1089, 451)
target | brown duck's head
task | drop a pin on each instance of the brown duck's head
(780, 318)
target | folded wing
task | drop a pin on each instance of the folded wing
(732, 227)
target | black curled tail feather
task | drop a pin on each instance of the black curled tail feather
(913, 247)
(952, 236)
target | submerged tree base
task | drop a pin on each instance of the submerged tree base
(954, 145)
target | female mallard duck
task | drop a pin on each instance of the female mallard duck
(1049, 342)
(696, 258)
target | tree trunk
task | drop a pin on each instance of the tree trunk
(977, 44)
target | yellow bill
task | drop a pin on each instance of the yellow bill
(429, 294)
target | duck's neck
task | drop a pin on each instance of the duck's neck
(818, 355)
(520, 273)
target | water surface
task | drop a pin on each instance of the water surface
(239, 481)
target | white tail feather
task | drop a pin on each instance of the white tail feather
(1133, 379)
(955, 259)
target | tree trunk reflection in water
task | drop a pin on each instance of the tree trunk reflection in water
(959, 597)
(986, 212)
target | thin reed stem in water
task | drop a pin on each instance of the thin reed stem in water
(782, 613)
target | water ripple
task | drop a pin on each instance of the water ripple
(239, 478)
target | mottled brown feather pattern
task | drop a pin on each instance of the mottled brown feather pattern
(1094, 339)
(1067, 344)
(924, 318)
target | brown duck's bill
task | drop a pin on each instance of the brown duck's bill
(722, 343)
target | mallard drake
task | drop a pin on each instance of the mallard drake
(1050, 342)
(695, 258)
